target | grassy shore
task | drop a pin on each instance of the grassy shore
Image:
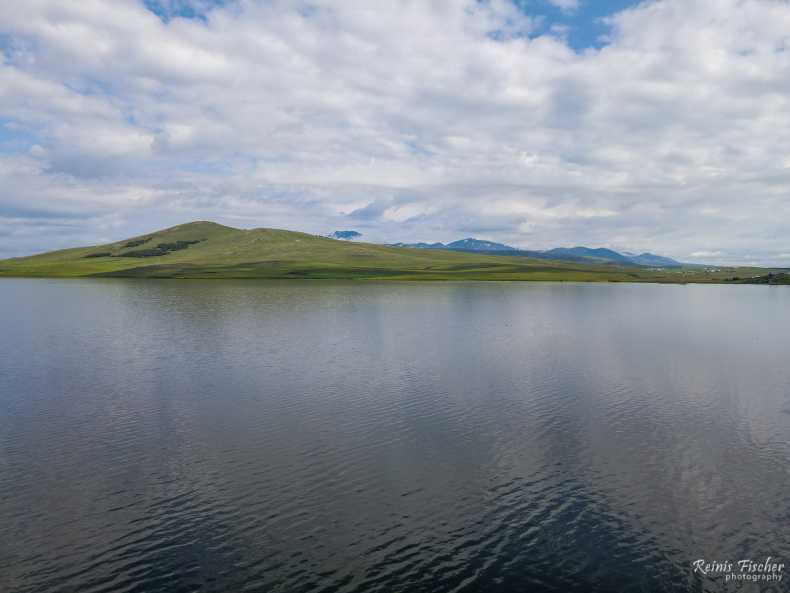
(210, 250)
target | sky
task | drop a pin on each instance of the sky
(661, 125)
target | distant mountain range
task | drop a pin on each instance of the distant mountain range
(345, 235)
(461, 245)
(576, 254)
(204, 249)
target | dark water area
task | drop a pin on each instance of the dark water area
(231, 436)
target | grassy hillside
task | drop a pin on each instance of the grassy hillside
(210, 250)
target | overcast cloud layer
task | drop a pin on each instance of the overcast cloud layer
(403, 120)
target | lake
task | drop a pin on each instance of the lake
(300, 436)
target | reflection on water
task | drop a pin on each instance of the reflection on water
(309, 436)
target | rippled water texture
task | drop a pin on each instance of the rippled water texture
(306, 436)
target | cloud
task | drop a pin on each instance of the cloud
(411, 121)
(566, 5)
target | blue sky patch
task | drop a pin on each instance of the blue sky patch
(188, 9)
(14, 138)
(585, 26)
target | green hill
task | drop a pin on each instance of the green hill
(210, 250)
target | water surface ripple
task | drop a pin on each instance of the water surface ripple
(216, 436)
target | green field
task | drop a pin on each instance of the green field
(210, 250)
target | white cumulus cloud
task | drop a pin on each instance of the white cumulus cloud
(566, 5)
(406, 120)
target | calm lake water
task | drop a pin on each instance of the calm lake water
(232, 436)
